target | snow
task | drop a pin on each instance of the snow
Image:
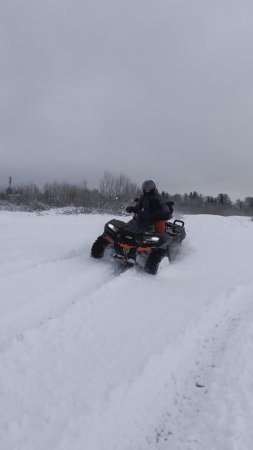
(96, 360)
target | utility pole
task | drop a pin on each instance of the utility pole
(9, 189)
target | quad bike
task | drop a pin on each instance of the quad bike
(134, 246)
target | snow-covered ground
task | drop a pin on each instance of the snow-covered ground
(95, 360)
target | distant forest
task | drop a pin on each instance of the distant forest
(113, 195)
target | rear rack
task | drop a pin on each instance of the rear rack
(175, 227)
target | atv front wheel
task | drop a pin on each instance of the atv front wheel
(98, 248)
(153, 261)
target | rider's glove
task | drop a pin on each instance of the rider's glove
(129, 209)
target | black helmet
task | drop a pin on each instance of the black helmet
(148, 186)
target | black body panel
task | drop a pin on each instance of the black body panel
(129, 234)
(132, 244)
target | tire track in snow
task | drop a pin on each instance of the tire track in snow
(77, 293)
(41, 364)
(202, 397)
(41, 264)
(169, 392)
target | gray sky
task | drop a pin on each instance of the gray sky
(158, 89)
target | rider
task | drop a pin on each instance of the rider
(151, 209)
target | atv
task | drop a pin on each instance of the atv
(134, 246)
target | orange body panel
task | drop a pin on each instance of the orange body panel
(139, 249)
(160, 226)
(126, 246)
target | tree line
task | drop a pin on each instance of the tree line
(113, 195)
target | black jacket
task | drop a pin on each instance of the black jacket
(151, 207)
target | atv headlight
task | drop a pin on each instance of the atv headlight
(112, 227)
(152, 239)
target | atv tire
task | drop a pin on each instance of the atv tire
(153, 261)
(98, 248)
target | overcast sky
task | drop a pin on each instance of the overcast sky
(158, 89)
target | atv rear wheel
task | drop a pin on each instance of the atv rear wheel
(153, 261)
(98, 248)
